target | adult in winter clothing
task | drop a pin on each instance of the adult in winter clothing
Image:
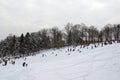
(5, 62)
(24, 64)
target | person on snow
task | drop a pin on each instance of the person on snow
(5, 62)
(25, 64)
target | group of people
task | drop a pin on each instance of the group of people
(24, 64)
(4, 62)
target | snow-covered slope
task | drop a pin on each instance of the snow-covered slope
(101, 63)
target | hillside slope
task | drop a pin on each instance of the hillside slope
(101, 63)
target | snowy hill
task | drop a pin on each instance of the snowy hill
(101, 63)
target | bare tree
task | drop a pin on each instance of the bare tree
(68, 33)
(107, 32)
(93, 34)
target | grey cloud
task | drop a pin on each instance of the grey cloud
(31, 15)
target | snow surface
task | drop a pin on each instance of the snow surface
(101, 63)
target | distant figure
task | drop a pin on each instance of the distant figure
(102, 45)
(95, 46)
(105, 43)
(25, 58)
(5, 62)
(68, 54)
(73, 49)
(25, 64)
(87, 47)
(79, 51)
(43, 55)
(13, 62)
(91, 47)
(55, 54)
(52, 53)
(68, 49)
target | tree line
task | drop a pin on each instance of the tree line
(77, 34)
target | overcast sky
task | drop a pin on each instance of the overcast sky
(21, 16)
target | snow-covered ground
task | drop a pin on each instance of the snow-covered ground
(101, 63)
